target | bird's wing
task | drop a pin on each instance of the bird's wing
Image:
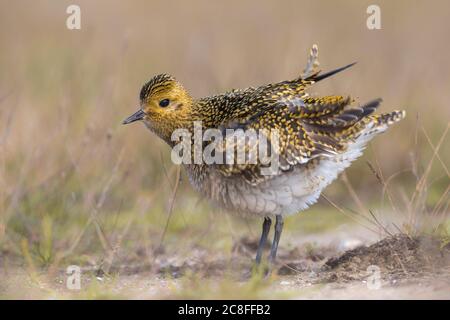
(300, 128)
(307, 127)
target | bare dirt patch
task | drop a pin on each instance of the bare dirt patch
(397, 257)
(409, 267)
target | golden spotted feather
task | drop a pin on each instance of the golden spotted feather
(308, 127)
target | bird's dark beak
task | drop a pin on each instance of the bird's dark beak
(139, 115)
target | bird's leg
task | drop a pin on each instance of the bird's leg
(276, 239)
(262, 242)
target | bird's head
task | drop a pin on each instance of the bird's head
(164, 106)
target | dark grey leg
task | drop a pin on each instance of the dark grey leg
(276, 238)
(262, 242)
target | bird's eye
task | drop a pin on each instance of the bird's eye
(164, 103)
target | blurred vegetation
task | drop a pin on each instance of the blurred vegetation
(77, 187)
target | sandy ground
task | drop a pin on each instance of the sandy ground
(394, 268)
(146, 286)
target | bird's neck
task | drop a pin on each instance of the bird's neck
(211, 113)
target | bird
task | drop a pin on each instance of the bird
(318, 138)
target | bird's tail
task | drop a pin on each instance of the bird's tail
(372, 125)
(384, 120)
(378, 123)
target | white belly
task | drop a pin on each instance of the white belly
(295, 191)
(289, 192)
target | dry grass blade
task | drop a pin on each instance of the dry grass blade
(348, 215)
(421, 185)
(95, 208)
(379, 223)
(172, 203)
(435, 149)
(353, 194)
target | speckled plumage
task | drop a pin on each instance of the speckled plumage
(319, 138)
(320, 128)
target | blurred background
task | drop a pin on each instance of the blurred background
(77, 187)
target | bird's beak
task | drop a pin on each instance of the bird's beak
(139, 115)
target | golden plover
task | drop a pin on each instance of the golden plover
(318, 138)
